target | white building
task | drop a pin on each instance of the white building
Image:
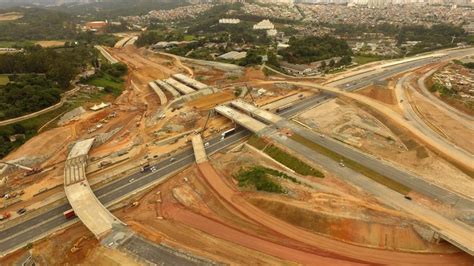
(264, 25)
(272, 33)
(233, 55)
(229, 21)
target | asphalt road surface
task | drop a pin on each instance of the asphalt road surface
(42, 224)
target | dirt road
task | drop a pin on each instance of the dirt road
(456, 156)
(336, 248)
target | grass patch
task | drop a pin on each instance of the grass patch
(365, 59)
(189, 38)
(400, 188)
(109, 83)
(284, 158)
(279, 174)
(4, 80)
(258, 177)
(11, 44)
(257, 142)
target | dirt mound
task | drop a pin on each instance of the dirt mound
(398, 236)
(210, 101)
(379, 93)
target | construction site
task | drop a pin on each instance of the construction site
(201, 162)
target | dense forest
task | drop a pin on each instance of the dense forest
(26, 94)
(38, 76)
(37, 24)
(311, 49)
(438, 36)
(60, 66)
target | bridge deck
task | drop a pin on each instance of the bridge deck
(165, 86)
(179, 86)
(262, 114)
(159, 92)
(79, 194)
(242, 119)
(190, 81)
(199, 150)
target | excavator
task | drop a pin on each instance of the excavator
(29, 170)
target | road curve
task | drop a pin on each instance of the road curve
(457, 156)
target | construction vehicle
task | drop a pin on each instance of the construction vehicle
(69, 214)
(104, 163)
(4, 216)
(29, 170)
(145, 168)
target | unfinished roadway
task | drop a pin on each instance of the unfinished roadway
(457, 233)
(456, 156)
(329, 251)
(80, 195)
(45, 222)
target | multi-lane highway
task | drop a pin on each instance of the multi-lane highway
(39, 226)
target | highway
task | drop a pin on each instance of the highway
(43, 224)
(17, 236)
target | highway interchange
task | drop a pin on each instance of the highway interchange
(43, 224)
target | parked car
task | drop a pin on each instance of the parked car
(21, 211)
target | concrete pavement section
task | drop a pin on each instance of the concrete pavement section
(156, 254)
(244, 120)
(190, 81)
(159, 92)
(184, 89)
(266, 116)
(199, 150)
(79, 194)
(106, 54)
(165, 86)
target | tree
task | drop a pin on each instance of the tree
(19, 129)
(252, 58)
(272, 59)
(332, 63)
(323, 65)
(345, 60)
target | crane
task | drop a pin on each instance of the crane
(29, 170)
(249, 91)
(207, 120)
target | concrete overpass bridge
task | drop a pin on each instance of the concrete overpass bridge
(261, 122)
(80, 195)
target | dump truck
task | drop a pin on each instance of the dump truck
(69, 214)
(4, 216)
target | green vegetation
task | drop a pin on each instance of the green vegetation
(59, 66)
(258, 178)
(443, 90)
(109, 76)
(111, 9)
(311, 49)
(253, 58)
(27, 94)
(257, 142)
(284, 158)
(38, 24)
(45, 74)
(4, 80)
(109, 83)
(91, 38)
(469, 65)
(353, 165)
(365, 59)
(436, 37)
